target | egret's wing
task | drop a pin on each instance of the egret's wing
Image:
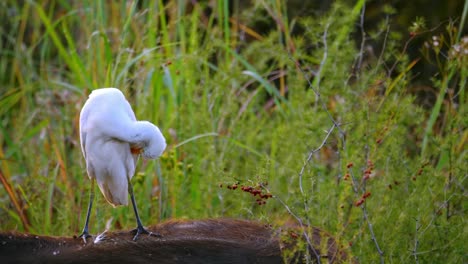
(120, 123)
(83, 143)
(83, 120)
(129, 111)
(83, 138)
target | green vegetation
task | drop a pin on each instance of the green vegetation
(337, 131)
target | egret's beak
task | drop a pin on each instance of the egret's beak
(136, 150)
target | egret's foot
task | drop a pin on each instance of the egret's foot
(84, 235)
(141, 230)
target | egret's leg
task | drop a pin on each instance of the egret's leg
(140, 229)
(85, 234)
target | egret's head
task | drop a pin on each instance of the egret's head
(156, 143)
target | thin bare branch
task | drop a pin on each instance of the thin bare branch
(416, 241)
(371, 230)
(366, 218)
(317, 77)
(301, 224)
(309, 157)
(363, 40)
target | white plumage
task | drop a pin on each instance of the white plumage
(111, 140)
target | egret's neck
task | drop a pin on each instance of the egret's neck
(150, 138)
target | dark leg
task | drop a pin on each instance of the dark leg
(85, 233)
(140, 229)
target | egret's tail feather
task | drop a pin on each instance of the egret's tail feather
(114, 196)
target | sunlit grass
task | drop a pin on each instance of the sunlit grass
(236, 107)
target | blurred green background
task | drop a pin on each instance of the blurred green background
(352, 114)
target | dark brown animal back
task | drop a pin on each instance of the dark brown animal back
(189, 241)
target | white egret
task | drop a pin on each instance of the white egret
(111, 141)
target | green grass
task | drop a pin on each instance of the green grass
(244, 110)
